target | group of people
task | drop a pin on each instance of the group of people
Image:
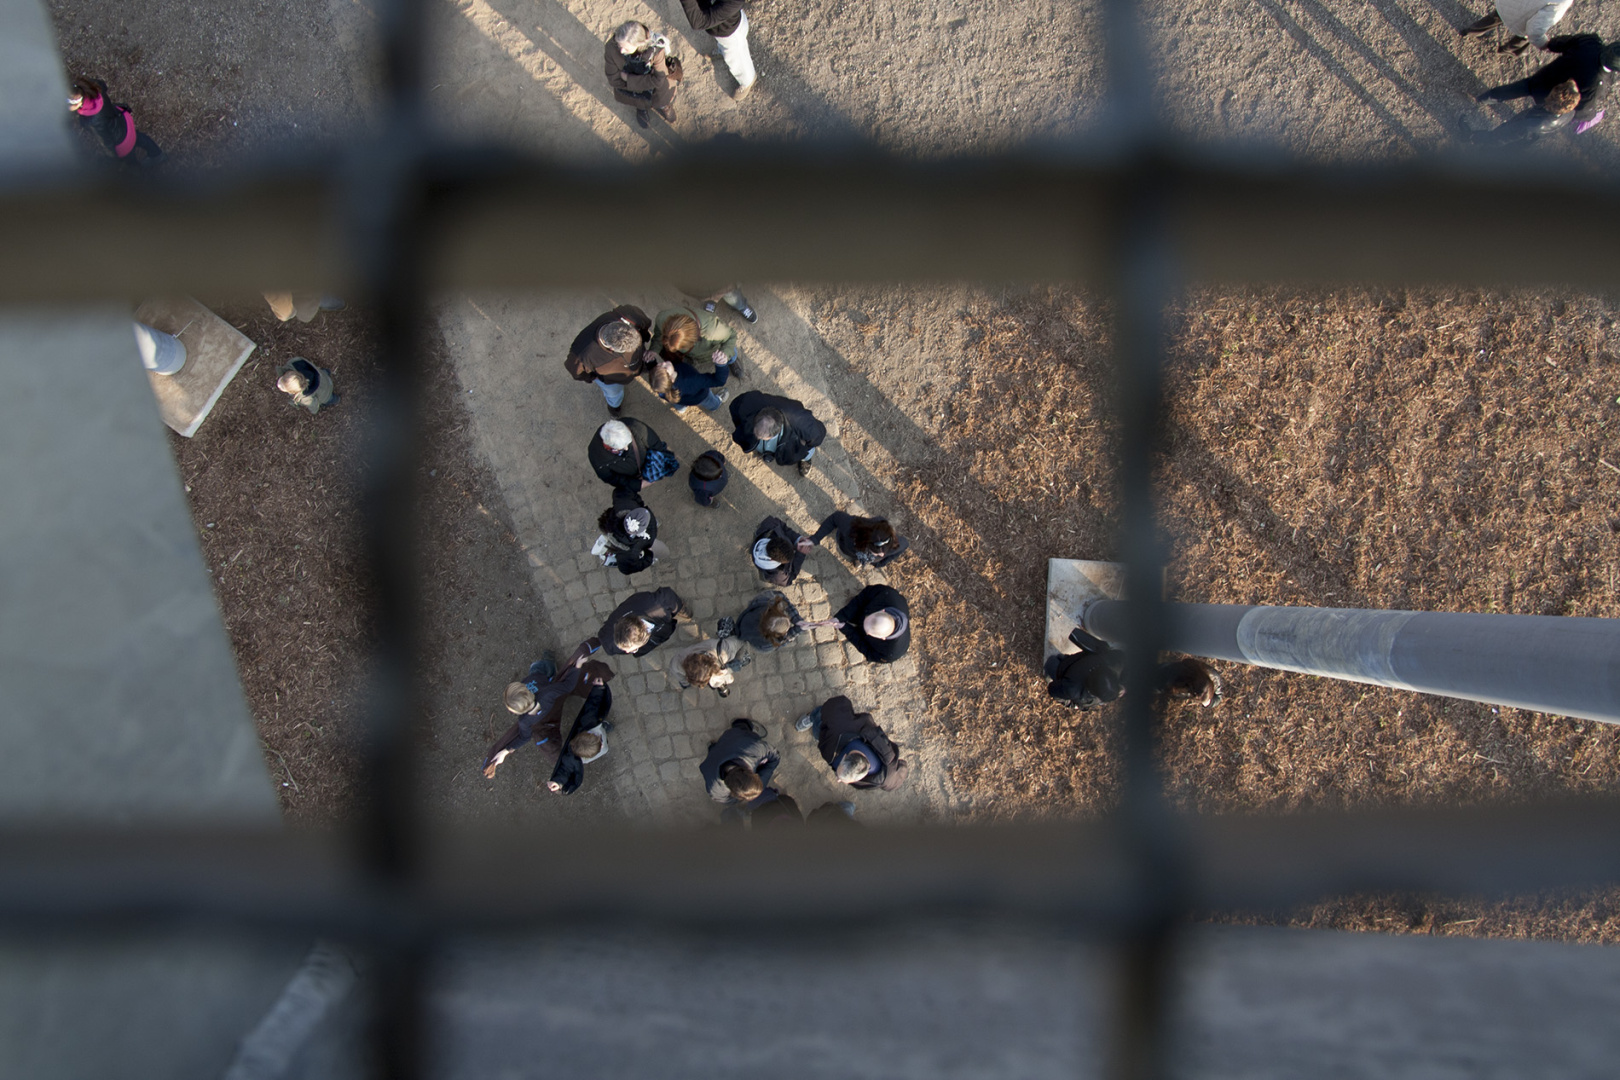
(1567, 92)
(644, 73)
(687, 354)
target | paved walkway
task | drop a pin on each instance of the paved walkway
(534, 423)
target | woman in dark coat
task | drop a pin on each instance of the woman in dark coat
(112, 122)
(778, 552)
(636, 62)
(631, 532)
(864, 541)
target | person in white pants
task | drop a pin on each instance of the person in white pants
(1527, 22)
(727, 22)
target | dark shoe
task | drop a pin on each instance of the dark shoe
(722, 691)
(741, 660)
(1483, 26)
(747, 312)
(668, 113)
(644, 118)
(726, 627)
(1514, 45)
(804, 468)
(332, 303)
(606, 726)
(615, 410)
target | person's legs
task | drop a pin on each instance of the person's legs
(712, 402)
(1482, 26)
(612, 392)
(144, 143)
(810, 722)
(739, 303)
(734, 51)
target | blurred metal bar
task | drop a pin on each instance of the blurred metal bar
(1554, 664)
(805, 213)
(1078, 873)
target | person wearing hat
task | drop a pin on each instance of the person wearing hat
(307, 385)
(1528, 22)
(877, 621)
(629, 534)
(611, 352)
(1582, 58)
(778, 551)
(727, 23)
(777, 428)
(1087, 678)
(538, 699)
(620, 450)
(859, 753)
(637, 67)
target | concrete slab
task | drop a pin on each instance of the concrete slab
(215, 352)
(1069, 584)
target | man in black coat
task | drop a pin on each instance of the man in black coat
(878, 623)
(1581, 57)
(612, 351)
(778, 428)
(1089, 677)
(740, 764)
(856, 749)
(641, 623)
(619, 451)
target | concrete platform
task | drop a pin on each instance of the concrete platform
(1069, 584)
(215, 352)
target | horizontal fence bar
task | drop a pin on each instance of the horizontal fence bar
(1076, 873)
(801, 212)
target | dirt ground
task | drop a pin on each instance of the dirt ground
(1435, 450)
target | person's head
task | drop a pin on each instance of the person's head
(637, 522)
(701, 668)
(680, 333)
(619, 336)
(615, 435)
(708, 466)
(81, 91)
(769, 424)
(586, 744)
(632, 37)
(853, 767)
(630, 633)
(778, 551)
(662, 381)
(880, 624)
(519, 698)
(609, 521)
(774, 622)
(871, 534)
(744, 783)
(1563, 98)
(293, 382)
(1611, 56)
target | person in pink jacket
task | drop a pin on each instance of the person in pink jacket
(113, 123)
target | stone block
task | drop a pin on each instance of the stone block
(681, 746)
(632, 684)
(574, 590)
(585, 612)
(647, 705)
(807, 658)
(774, 686)
(706, 586)
(586, 563)
(646, 775)
(859, 674)
(814, 681)
(794, 683)
(602, 604)
(215, 352)
(700, 544)
(703, 608)
(660, 747)
(670, 774)
(824, 634)
(652, 725)
(830, 655)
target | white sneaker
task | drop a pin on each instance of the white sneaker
(804, 723)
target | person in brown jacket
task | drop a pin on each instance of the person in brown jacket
(612, 352)
(636, 62)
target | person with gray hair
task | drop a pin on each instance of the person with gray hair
(620, 450)
(777, 428)
(638, 68)
(611, 352)
(858, 751)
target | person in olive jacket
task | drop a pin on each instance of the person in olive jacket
(877, 621)
(619, 451)
(854, 747)
(636, 62)
(778, 428)
(612, 351)
(727, 22)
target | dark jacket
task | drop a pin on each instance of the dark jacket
(787, 572)
(633, 553)
(659, 608)
(841, 725)
(719, 17)
(748, 621)
(842, 525)
(570, 770)
(801, 432)
(692, 385)
(773, 808)
(1527, 127)
(1089, 677)
(543, 723)
(640, 79)
(871, 599)
(112, 123)
(1580, 58)
(704, 491)
(588, 362)
(624, 470)
(743, 741)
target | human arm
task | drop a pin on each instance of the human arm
(767, 766)
(835, 522)
(501, 750)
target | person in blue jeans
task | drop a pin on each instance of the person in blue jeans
(679, 384)
(859, 752)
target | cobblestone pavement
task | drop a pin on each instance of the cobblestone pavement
(534, 423)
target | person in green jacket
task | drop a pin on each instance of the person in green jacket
(698, 337)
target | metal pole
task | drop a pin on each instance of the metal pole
(1552, 664)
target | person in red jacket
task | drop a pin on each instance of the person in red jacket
(113, 123)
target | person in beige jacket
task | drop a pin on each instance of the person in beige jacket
(1528, 22)
(709, 663)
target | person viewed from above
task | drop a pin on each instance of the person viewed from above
(642, 623)
(727, 22)
(1527, 22)
(641, 71)
(711, 299)
(854, 747)
(877, 621)
(699, 337)
(769, 622)
(1556, 111)
(1188, 679)
(1087, 678)
(629, 540)
(680, 385)
(538, 701)
(777, 428)
(109, 121)
(308, 386)
(611, 352)
(740, 763)
(708, 477)
(711, 663)
(778, 552)
(863, 541)
(627, 454)
(1581, 57)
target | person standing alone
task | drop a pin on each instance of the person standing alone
(637, 65)
(727, 22)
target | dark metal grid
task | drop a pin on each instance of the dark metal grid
(414, 214)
